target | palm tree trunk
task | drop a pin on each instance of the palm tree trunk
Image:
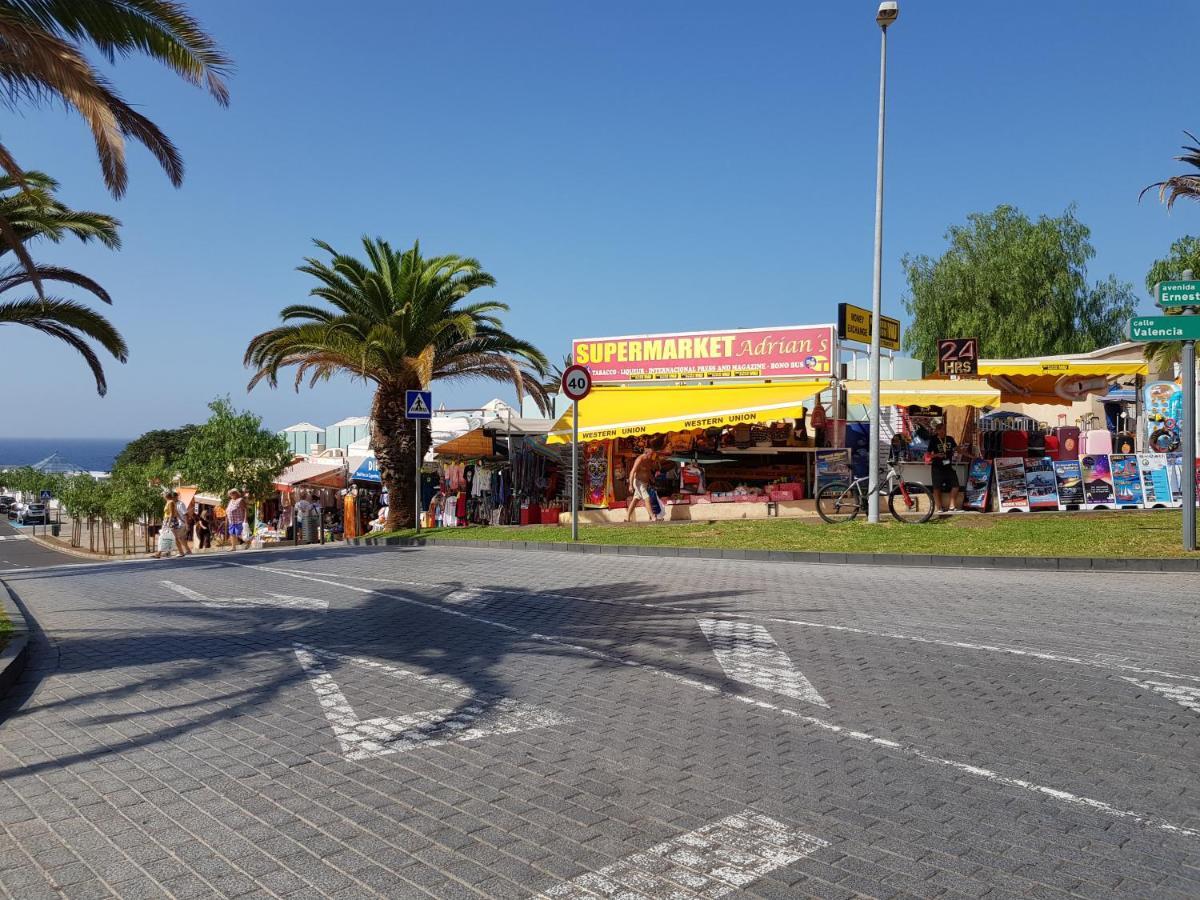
(393, 439)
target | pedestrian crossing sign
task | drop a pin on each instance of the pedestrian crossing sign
(418, 405)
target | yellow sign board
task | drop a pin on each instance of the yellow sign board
(854, 324)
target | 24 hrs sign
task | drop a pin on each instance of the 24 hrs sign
(958, 356)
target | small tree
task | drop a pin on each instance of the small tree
(233, 450)
(136, 497)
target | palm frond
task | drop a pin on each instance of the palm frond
(160, 29)
(71, 323)
(14, 276)
(1179, 186)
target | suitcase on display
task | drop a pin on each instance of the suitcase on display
(1052, 448)
(1014, 443)
(1068, 441)
(1095, 442)
(1125, 443)
(1037, 445)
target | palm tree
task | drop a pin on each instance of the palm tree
(43, 58)
(37, 213)
(399, 321)
(1171, 189)
(553, 383)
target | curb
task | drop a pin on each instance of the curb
(15, 655)
(57, 547)
(914, 560)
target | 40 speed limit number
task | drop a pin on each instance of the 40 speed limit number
(576, 382)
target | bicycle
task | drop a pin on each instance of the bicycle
(908, 501)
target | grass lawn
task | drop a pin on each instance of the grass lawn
(5, 629)
(1129, 533)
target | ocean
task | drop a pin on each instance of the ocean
(93, 454)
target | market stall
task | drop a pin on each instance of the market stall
(723, 446)
(480, 479)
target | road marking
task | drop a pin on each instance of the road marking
(271, 601)
(749, 654)
(1185, 695)
(14, 537)
(713, 861)
(1148, 820)
(481, 715)
(1041, 655)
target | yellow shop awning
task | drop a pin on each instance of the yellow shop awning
(628, 411)
(1111, 368)
(964, 392)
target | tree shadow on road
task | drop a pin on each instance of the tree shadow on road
(220, 664)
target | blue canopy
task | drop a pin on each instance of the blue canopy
(368, 470)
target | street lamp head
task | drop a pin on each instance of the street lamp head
(889, 10)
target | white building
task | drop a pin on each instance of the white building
(341, 435)
(304, 438)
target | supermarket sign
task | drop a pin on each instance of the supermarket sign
(788, 351)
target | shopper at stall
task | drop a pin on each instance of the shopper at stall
(942, 449)
(641, 482)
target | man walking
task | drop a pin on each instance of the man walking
(641, 480)
(235, 514)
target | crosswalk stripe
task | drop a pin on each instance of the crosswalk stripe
(712, 861)
(749, 654)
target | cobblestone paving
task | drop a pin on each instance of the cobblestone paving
(455, 722)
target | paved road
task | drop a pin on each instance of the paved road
(460, 723)
(18, 552)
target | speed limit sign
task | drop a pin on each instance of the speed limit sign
(576, 382)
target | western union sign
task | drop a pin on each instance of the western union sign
(854, 324)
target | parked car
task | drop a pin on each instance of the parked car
(7, 503)
(33, 514)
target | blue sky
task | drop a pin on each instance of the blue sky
(619, 167)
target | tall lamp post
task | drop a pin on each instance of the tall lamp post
(887, 14)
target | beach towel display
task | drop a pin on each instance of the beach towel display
(1127, 479)
(1156, 483)
(1098, 490)
(1068, 478)
(1041, 483)
(597, 472)
(1011, 489)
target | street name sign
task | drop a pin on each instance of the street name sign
(1164, 328)
(854, 324)
(1177, 293)
(418, 404)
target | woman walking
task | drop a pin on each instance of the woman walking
(235, 513)
(166, 531)
(204, 528)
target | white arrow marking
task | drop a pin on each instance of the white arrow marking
(749, 654)
(1186, 695)
(273, 601)
(712, 861)
(359, 738)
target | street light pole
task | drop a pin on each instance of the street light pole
(888, 11)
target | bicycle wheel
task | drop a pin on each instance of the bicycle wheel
(839, 502)
(912, 505)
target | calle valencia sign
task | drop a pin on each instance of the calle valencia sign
(1164, 328)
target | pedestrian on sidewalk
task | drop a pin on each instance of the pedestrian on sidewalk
(204, 528)
(183, 537)
(235, 514)
(166, 531)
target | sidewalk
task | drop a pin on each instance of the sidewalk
(63, 545)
